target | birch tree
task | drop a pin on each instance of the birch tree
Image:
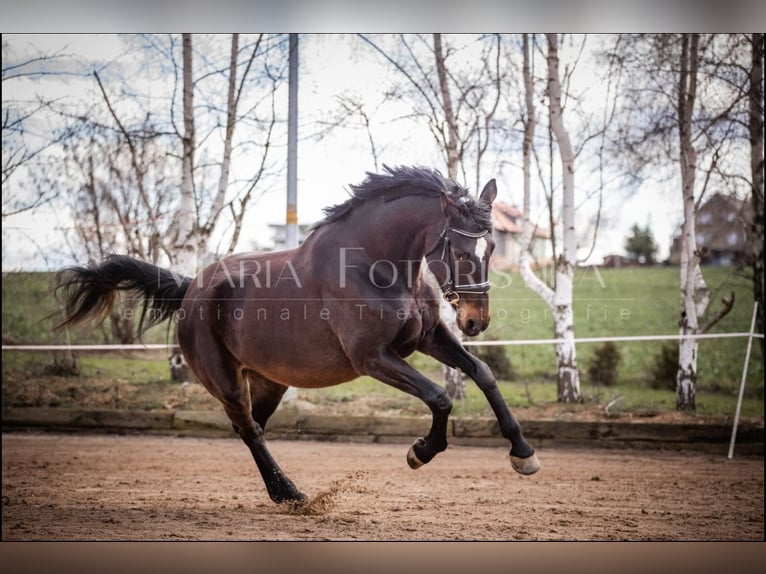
(196, 224)
(681, 112)
(559, 298)
(452, 377)
(187, 239)
(695, 295)
(198, 123)
(202, 207)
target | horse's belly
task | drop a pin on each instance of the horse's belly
(305, 366)
(303, 378)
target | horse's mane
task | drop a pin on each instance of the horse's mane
(402, 181)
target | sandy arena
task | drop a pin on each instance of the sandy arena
(109, 487)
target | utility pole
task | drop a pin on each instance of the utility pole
(292, 146)
(292, 162)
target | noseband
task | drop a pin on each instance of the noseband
(452, 289)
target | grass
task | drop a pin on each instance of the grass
(607, 302)
(627, 302)
(135, 367)
(30, 312)
(632, 398)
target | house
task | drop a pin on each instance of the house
(721, 227)
(507, 222)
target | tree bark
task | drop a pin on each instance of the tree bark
(567, 376)
(531, 280)
(755, 241)
(231, 116)
(453, 157)
(695, 295)
(187, 243)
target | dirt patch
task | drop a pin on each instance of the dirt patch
(106, 487)
(21, 390)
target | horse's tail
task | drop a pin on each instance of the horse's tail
(90, 292)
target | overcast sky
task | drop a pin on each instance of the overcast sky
(330, 66)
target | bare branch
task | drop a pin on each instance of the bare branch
(404, 72)
(133, 155)
(728, 304)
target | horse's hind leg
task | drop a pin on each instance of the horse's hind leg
(265, 396)
(228, 384)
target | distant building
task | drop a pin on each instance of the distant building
(507, 222)
(614, 261)
(721, 231)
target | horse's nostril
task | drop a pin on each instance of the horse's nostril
(470, 325)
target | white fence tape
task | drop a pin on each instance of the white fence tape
(751, 335)
(507, 342)
(147, 347)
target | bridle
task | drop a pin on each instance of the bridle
(451, 289)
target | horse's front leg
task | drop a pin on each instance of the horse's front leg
(442, 345)
(388, 367)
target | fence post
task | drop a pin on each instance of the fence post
(742, 383)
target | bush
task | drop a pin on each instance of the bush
(603, 366)
(497, 360)
(665, 367)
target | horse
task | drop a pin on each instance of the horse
(357, 297)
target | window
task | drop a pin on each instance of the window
(732, 238)
(731, 216)
(704, 218)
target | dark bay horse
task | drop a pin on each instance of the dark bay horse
(356, 298)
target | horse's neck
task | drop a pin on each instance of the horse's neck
(400, 229)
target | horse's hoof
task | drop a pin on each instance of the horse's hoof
(298, 499)
(526, 466)
(291, 496)
(412, 459)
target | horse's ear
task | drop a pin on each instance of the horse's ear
(489, 193)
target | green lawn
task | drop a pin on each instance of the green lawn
(30, 311)
(627, 397)
(614, 302)
(626, 302)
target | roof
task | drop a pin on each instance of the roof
(509, 219)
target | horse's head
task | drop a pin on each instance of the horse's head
(469, 293)
(464, 251)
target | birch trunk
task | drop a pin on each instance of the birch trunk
(231, 114)
(453, 380)
(567, 376)
(531, 280)
(187, 247)
(453, 157)
(695, 295)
